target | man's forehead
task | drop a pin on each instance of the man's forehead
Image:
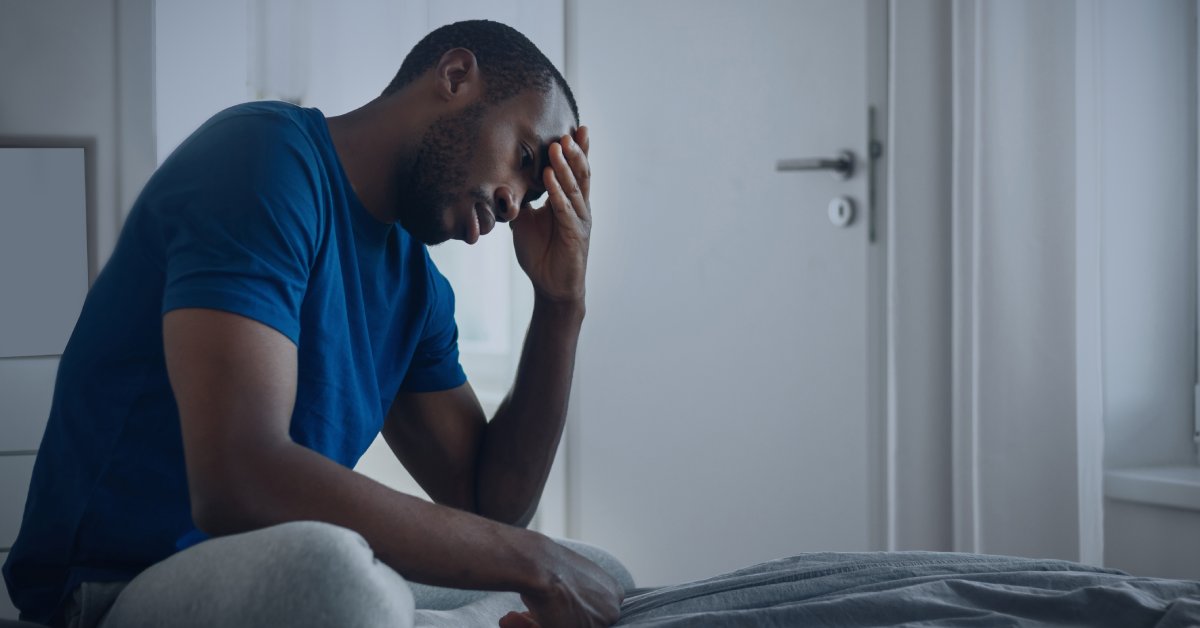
(547, 117)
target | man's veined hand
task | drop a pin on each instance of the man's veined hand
(577, 594)
(551, 242)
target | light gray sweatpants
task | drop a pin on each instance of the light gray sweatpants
(296, 574)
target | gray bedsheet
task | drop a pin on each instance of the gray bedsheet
(890, 589)
(919, 588)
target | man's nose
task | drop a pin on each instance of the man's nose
(507, 205)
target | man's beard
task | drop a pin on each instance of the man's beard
(439, 175)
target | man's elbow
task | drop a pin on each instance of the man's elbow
(226, 501)
(507, 511)
(524, 520)
(215, 516)
(210, 522)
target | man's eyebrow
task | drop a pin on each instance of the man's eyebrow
(544, 147)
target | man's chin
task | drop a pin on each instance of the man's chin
(431, 238)
(427, 233)
(434, 241)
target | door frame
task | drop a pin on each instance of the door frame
(919, 497)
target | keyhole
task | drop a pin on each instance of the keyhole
(841, 211)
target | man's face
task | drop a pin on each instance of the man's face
(481, 166)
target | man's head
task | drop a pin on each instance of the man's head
(508, 59)
(480, 160)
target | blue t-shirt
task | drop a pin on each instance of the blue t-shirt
(251, 215)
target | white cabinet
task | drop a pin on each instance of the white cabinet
(15, 472)
(43, 282)
(26, 388)
(7, 610)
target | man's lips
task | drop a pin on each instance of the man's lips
(487, 219)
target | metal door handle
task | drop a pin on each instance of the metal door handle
(843, 163)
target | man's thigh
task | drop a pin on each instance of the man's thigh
(295, 574)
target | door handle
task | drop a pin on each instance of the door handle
(844, 164)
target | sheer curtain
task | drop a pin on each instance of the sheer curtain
(1014, 213)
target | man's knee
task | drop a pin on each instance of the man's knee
(606, 561)
(308, 549)
(297, 574)
(336, 568)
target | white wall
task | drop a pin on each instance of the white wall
(212, 55)
(200, 65)
(1144, 84)
(1150, 540)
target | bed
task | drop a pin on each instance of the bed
(877, 589)
(859, 590)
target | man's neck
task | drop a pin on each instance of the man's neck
(377, 145)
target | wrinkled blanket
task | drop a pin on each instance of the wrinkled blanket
(890, 589)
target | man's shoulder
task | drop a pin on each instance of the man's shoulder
(267, 110)
(262, 141)
(262, 161)
(267, 119)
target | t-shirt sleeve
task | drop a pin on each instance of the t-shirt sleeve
(435, 364)
(241, 222)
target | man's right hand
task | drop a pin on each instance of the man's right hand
(574, 592)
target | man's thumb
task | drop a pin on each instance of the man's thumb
(518, 620)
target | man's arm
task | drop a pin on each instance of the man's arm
(495, 469)
(499, 469)
(519, 445)
(235, 383)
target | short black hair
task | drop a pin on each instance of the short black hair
(509, 62)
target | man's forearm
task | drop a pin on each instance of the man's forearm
(519, 443)
(424, 542)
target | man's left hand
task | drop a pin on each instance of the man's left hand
(551, 242)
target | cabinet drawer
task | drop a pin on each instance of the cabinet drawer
(15, 472)
(43, 247)
(26, 388)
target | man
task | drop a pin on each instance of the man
(270, 308)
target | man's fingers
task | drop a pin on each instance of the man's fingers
(560, 204)
(584, 138)
(562, 154)
(580, 167)
(518, 620)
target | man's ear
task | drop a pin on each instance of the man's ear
(457, 74)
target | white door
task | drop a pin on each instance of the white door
(728, 401)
